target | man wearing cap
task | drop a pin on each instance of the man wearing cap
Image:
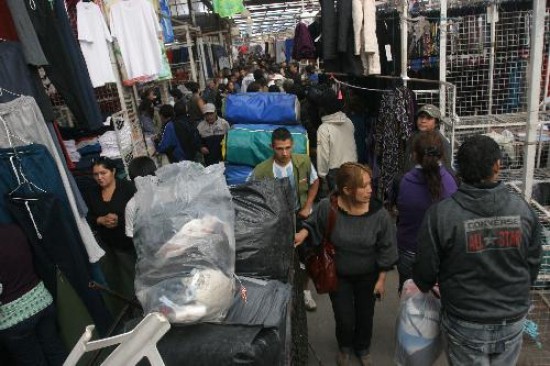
(428, 118)
(212, 131)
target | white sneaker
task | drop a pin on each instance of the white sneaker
(309, 302)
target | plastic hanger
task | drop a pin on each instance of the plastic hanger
(2, 90)
(21, 178)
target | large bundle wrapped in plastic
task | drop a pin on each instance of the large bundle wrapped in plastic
(264, 228)
(237, 174)
(251, 144)
(418, 340)
(270, 108)
(184, 237)
(253, 334)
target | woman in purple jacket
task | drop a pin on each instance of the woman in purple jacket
(427, 183)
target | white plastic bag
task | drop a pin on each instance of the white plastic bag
(418, 340)
(185, 242)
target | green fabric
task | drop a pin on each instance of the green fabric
(302, 172)
(31, 303)
(252, 146)
(118, 266)
(227, 8)
(72, 315)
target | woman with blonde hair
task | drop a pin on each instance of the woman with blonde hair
(364, 239)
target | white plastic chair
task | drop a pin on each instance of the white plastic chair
(133, 346)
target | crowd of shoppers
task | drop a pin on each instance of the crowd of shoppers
(476, 233)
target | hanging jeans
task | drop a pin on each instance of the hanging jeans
(18, 77)
(344, 24)
(67, 69)
(329, 29)
(50, 227)
(26, 125)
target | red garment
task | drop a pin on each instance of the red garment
(170, 56)
(243, 49)
(7, 29)
(70, 5)
(303, 44)
(70, 164)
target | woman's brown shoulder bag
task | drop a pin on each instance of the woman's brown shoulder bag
(321, 265)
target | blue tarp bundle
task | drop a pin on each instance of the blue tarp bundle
(268, 108)
(237, 174)
(251, 144)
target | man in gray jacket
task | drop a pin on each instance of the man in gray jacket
(483, 247)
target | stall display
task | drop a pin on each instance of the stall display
(250, 144)
(268, 108)
(184, 238)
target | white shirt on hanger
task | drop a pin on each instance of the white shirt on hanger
(135, 25)
(93, 36)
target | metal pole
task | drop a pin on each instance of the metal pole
(492, 12)
(547, 79)
(211, 57)
(403, 15)
(443, 58)
(191, 56)
(203, 75)
(191, 12)
(535, 65)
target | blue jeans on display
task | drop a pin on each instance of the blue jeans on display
(480, 344)
(35, 341)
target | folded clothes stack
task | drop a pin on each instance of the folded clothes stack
(109, 145)
(74, 155)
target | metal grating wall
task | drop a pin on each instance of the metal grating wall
(469, 56)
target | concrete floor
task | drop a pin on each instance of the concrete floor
(323, 340)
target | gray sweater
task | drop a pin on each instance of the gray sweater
(364, 244)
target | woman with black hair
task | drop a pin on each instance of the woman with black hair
(106, 205)
(428, 118)
(146, 111)
(427, 183)
(335, 138)
(141, 166)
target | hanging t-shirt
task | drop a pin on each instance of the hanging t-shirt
(93, 36)
(135, 25)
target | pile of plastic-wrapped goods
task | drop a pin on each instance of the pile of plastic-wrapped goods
(219, 264)
(254, 116)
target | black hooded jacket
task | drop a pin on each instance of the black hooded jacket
(483, 246)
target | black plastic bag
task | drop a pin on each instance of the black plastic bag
(264, 228)
(254, 332)
(266, 303)
(221, 345)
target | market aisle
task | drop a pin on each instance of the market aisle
(321, 329)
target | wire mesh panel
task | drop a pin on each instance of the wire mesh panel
(508, 130)
(469, 62)
(535, 350)
(536, 338)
